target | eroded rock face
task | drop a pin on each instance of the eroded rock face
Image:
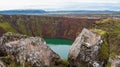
(2, 64)
(31, 50)
(115, 62)
(84, 51)
(48, 26)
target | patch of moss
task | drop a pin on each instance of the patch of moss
(65, 62)
(1, 16)
(104, 51)
(23, 27)
(7, 27)
(61, 63)
(98, 31)
(112, 27)
(108, 64)
(33, 43)
(108, 20)
(12, 63)
(113, 51)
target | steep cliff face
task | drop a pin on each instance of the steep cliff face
(48, 27)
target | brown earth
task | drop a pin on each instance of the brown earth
(49, 27)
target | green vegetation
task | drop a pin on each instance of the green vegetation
(22, 27)
(12, 63)
(112, 27)
(65, 63)
(61, 63)
(108, 64)
(104, 52)
(38, 29)
(7, 27)
(1, 16)
(98, 31)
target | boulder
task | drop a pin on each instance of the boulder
(2, 64)
(28, 50)
(8, 37)
(85, 50)
(115, 62)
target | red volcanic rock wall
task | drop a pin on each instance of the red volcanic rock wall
(49, 27)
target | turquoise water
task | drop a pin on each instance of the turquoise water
(60, 46)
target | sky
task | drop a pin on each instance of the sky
(57, 5)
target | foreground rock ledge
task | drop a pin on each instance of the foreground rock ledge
(30, 50)
(84, 51)
(115, 62)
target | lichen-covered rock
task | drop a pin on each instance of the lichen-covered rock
(2, 64)
(8, 37)
(115, 62)
(28, 50)
(85, 50)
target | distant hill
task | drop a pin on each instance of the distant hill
(85, 12)
(42, 12)
(10, 12)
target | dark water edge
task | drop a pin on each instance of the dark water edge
(60, 46)
(57, 41)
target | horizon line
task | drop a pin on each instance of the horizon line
(61, 10)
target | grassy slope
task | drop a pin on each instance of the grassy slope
(7, 27)
(112, 27)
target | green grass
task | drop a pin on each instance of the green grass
(104, 52)
(98, 31)
(7, 27)
(108, 64)
(23, 28)
(112, 27)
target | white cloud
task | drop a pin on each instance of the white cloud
(55, 4)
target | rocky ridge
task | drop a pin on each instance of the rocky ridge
(28, 50)
(85, 50)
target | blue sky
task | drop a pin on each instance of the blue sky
(60, 4)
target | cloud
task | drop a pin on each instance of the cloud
(60, 4)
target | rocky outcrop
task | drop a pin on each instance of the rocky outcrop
(115, 62)
(2, 64)
(85, 50)
(28, 50)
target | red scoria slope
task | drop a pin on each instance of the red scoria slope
(49, 27)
